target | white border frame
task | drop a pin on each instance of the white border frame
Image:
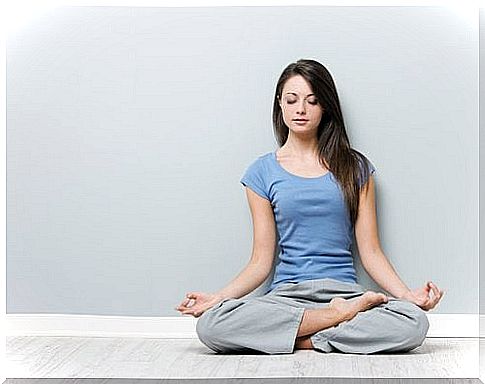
(175, 326)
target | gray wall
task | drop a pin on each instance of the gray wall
(128, 130)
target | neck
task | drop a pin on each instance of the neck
(301, 147)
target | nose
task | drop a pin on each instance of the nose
(301, 107)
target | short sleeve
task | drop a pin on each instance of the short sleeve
(255, 178)
(371, 170)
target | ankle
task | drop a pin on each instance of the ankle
(303, 343)
(339, 311)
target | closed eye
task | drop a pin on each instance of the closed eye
(313, 102)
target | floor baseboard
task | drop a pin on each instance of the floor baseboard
(441, 325)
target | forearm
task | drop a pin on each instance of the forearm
(247, 281)
(380, 269)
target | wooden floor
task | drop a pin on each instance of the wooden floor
(76, 357)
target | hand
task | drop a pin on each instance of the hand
(422, 296)
(196, 303)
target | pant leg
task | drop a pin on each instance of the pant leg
(253, 324)
(268, 323)
(395, 326)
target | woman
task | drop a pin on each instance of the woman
(314, 191)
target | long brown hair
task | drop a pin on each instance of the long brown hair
(348, 165)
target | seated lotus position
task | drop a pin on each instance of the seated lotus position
(311, 197)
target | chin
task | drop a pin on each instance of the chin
(303, 130)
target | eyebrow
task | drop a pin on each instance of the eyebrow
(293, 93)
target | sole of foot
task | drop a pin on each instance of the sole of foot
(349, 308)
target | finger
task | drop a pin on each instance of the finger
(425, 302)
(183, 306)
(432, 303)
(438, 299)
(190, 303)
(184, 303)
(187, 305)
(441, 294)
(434, 288)
(424, 290)
(187, 312)
(426, 287)
(437, 296)
(192, 310)
(435, 301)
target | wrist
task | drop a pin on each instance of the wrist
(221, 295)
(403, 294)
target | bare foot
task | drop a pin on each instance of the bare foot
(348, 308)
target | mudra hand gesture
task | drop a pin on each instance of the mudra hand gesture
(196, 303)
(423, 298)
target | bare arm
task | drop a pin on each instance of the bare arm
(373, 259)
(376, 263)
(264, 242)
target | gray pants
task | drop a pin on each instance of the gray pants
(270, 323)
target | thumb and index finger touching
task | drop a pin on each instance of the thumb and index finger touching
(434, 295)
(188, 298)
(434, 288)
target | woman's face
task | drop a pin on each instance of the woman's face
(301, 110)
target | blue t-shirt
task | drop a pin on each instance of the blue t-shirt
(315, 232)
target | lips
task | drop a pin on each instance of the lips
(300, 119)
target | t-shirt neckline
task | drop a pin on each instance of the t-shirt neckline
(273, 156)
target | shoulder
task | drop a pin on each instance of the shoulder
(265, 156)
(364, 162)
(256, 176)
(259, 168)
(366, 168)
(261, 161)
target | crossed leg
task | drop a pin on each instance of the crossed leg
(337, 311)
(395, 326)
(269, 325)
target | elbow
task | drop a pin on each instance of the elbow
(261, 270)
(369, 257)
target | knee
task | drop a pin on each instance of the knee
(422, 325)
(210, 326)
(206, 331)
(417, 325)
(201, 327)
